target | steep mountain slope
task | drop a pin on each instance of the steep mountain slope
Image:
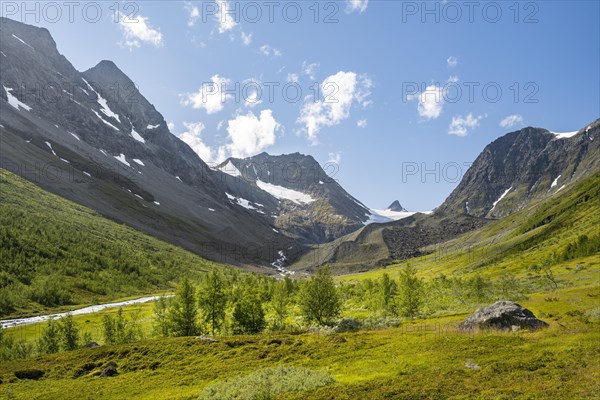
(522, 166)
(294, 193)
(535, 163)
(93, 138)
(56, 253)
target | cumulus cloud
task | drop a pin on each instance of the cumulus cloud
(431, 101)
(340, 92)
(210, 96)
(223, 17)
(335, 157)
(249, 134)
(293, 77)
(137, 31)
(310, 69)
(270, 51)
(356, 5)
(452, 61)
(361, 123)
(192, 137)
(193, 13)
(460, 125)
(171, 126)
(511, 121)
(246, 38)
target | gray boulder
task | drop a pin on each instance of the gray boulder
(502, 315)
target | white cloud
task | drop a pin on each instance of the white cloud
(460, 125)
(453, 79)
(223, 17)
(192, 136)
(220, 125)
(268, 51)
(335, 157)
(356, 5)
(293, 77)
(137, 31)
(210, 96)
(171, 126)
(339, 92)
(250, 134)
(246, 38)
(361, 123)
(431, 101)
(252, 99)
(310, 69)
(452, 61)
(193, 13)
(511, 121)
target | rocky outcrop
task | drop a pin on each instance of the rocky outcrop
(396, 207)
(502, 315)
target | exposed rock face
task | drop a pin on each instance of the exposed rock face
(523, 166)
(502, 315)
(397, 207)
(294, 193)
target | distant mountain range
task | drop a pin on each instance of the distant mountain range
(93, 138)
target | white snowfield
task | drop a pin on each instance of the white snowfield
(243, 203)
(9, 323)
(564, 135)
(383, 216)
(105, 121)
(13, 101)
(282, 193)
(555, 182)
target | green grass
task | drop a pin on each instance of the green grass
(537, 234)
(422, 359)
(57, 254)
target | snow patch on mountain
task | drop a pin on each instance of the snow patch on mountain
(22, 41)
(105, 121)
(103, 104)
(564, 135)
(122, 159)
(501, 197)
(282, 193)
(139, 162)
(13, 101)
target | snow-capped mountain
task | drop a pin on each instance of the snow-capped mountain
(295, 194)
(523, 166)
(92, 137)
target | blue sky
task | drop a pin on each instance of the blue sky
(416, 94)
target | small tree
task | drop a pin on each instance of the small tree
(280, 302)
(160, 326)
(69, 333)
(319, 299)
(387, 291)
(248, 314)
(50, 341)
(212, 300)
(184, 310)
(410, 296)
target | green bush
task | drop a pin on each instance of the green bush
(267, 383)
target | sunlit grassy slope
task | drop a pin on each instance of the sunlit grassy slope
(537, 234)
(425, 358)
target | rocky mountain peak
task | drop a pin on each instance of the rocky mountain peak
(396, 206)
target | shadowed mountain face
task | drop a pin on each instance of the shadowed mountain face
(93, 138)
